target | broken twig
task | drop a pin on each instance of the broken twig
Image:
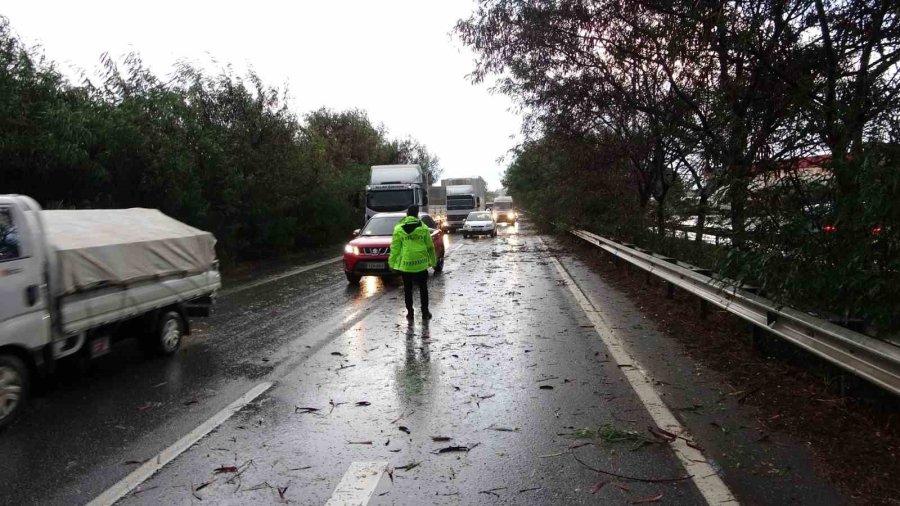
(630, 478)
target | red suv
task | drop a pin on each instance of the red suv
(367, 254)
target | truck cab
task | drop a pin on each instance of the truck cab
(24, 307)
(461, 200)
(393, 188)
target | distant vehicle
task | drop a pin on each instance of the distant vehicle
(462, 200)
(479, 223)
(394, 188)
(437, 204)
(504, 210)
(72, 282)
(367, 254)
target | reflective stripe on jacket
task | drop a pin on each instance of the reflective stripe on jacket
(412, 249)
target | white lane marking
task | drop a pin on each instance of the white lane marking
(139, 475)
(292, 272)
(358, 484)
(714, 490)
(455, 249)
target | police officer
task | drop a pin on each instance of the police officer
(412, 253)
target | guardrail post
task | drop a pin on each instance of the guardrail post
(704, 309)
(760, 340)
(670, 290)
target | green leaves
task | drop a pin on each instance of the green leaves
(219, 151)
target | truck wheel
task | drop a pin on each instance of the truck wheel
(353, 279)
(165, 337)
(14, 388)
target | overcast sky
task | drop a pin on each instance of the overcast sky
(393, 58)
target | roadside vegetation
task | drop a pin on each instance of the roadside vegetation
(773, 124)
(218, 151)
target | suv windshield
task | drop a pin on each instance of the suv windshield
(479, 217)
(502, 206)
(380, 226)
(389, 200)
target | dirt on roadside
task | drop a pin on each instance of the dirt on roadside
(856, 440)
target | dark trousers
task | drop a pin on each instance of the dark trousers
(418, 278)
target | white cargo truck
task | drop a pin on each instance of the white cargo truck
(394, 188)
(461, 200)
(72, 282)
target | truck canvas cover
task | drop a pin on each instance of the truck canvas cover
(123, 246)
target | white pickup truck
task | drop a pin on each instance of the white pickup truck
(72, 282)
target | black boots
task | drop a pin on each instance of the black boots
(410, 315)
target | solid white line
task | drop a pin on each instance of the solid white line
(292, 272)
(714, 490)
(139, 475)
(358, 484)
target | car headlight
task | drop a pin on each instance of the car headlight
(351, 249)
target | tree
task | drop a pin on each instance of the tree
(216, 150)
(733, 99)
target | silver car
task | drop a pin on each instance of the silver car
(479, 223)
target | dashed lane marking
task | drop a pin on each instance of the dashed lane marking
(702, 473)
(455, 249)
(292, 272)
(139, 475)
(358, 484)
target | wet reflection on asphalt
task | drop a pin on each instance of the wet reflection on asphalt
(505, 370)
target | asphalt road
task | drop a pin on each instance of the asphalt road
(516, 367)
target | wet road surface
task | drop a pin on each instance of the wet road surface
(509, 375)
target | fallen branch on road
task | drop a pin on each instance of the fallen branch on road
(492, 491)
(630, 478)
(243, 467)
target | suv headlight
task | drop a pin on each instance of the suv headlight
(351, 250)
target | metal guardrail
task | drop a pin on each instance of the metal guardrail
(864, 356)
